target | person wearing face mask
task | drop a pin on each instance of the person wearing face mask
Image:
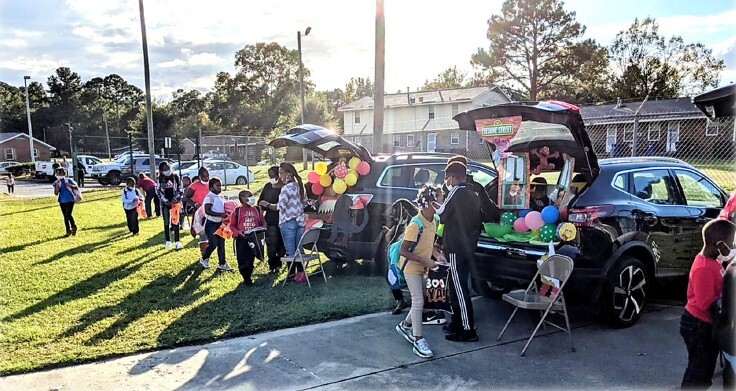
(194, 198)
(268, 200)
(131, 199)
(460, 213)
(63, 188)
(169, 193)
(243, 221)
(214, 208)
(705, 285)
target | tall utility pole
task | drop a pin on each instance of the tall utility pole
(149, 108)
(301, 82)
(28, 113)
(378, 87)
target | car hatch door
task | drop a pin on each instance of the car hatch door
(323, 141)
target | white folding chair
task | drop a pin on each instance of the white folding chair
(306, 252)
(558, 267)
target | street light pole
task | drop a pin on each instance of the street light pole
(28, 114)
(301, 82)
(149, 108)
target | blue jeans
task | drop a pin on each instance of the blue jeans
(291, 232)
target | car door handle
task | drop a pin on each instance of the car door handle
(703, 220)
(646, 217)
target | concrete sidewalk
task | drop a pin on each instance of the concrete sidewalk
(367, 353)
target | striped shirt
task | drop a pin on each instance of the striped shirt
(290, 204)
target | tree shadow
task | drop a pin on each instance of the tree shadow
(162, 294)
(105, 227)
(84, 288)
(156, 240)
(85, 248)
(21, 247)
(24, 211)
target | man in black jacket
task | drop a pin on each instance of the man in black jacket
(460, 214)
(489, 211)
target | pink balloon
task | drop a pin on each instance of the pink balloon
(341, 171)
(364, 168)
(534, 220)
(520, 225)
(317, 189)
(313, 177)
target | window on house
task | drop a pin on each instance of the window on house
(673, 135)
(397, 140)
(35, 152)
(357, 117)
(628, 133)
(611, 137)
(717, 126)
(9, 153)
(454, 138)
(421, 99)
(455, 109)
(711, 128)
(409, 140)
(653, 133)
(431, 112)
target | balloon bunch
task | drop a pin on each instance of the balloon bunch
(544, 224)
(345, 175)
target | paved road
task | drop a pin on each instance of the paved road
(41, 188)
(366, 353)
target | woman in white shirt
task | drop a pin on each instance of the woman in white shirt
(214, 208)
(291, 213)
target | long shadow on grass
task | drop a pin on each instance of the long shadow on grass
(85, 248)
(26, 211)
(85, 288)
(22, 247)
(162, 294)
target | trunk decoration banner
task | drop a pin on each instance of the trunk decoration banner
(436, 296)
(499, 132)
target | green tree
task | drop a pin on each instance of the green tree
(449, 78)
(12, 108)
(65, 88)
(357, 88)
(536, 47)
(648, 64)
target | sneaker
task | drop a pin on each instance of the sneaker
(421, 349)
(462, 336)
(449, 329)
(168, 245)
(405, 332)
(205, 263)
(178, 246)
(400, 306)
(225, 268)
(432, 317)
(74, 231)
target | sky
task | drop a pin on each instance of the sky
(190, 41)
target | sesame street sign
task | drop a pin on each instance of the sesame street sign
(498, 128)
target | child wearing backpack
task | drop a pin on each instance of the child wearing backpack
(131, 199)
(243, 220)
(416, 250)
(704, 288)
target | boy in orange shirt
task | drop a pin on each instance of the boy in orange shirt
(705, 286)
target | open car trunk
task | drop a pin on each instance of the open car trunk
(324, 142)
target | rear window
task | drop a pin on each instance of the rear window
(531, 131)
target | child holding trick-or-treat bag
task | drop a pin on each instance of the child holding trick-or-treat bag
(246, 222)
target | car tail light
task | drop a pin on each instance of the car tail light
(585, 217)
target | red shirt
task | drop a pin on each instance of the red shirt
(249, 217)
(200, 190)
(704, 287)
(147, 184)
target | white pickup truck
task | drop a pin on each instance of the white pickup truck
(45, 169)
(115, 172)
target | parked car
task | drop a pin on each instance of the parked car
(88, 161)
(4, 165)
(638, 219)
(184, 165)
(230, 173)
(350, 234)
(113, 173)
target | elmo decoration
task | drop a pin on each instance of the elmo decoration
(544, 155)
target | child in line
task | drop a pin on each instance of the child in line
(417, 250)
(214, 208)
(11, 183)
(242, 221)
(131, 198)
(705, 286)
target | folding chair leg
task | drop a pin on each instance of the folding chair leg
(507, 323)
(306, 273)
(541, 322)
(288, 273)
(322, 269)
(567, 322)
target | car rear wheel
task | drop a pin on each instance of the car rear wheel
(114, 178)
(489, 289)
(626, 294)
(241, 181)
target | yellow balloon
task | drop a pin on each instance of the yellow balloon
(320, 168)
(339, 186)
(351, 179)
(353, 163)
(325, 180)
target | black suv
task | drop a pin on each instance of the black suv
(356, 224)
(639, 220)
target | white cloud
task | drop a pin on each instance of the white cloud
(206, 59)
(33, 66)
(172, 64)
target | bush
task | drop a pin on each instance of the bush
(21, 169)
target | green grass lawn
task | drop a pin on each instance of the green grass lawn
(105, 293)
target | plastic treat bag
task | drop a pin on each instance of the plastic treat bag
(175, 213)
(141, 209)
(224, 230)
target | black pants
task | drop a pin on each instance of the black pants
(67, 208)
(702, 352)
(274, 247)
(80, 182)
(152, 197)
(398, 294)
(168, 227)
(245, 258)
(131, 217)
(215, 242)
(728, 376)
(462, 306)
(11, 189)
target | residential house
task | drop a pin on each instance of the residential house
(421, 120)
(234, 147)
(16, 148)
(668, 127)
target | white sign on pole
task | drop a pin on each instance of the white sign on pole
(167, 142)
